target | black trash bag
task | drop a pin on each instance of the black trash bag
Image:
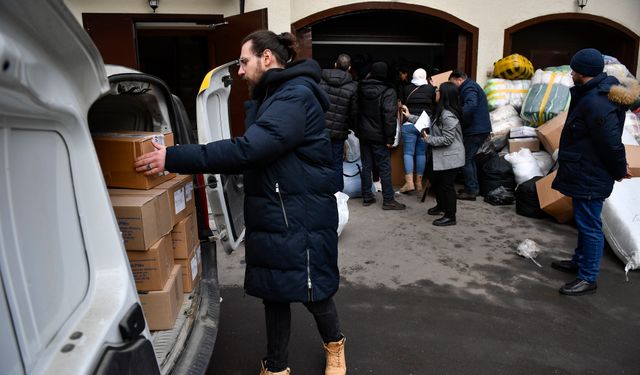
(496, 172)
(527, 203)
(500, 196)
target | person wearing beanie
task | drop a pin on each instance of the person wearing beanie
(418, 97)
(376, 130)
(591, 157)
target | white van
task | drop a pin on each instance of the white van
(68, 302)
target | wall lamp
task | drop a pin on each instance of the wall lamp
(582, 3)
(154, 4)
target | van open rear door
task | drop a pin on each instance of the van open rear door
(225, 192)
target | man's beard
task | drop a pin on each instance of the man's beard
(252, 83)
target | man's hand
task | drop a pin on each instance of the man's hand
(627, 175)
(153, 162)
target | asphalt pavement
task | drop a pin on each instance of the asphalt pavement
(419, 299)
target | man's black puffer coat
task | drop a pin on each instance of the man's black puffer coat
(342, 112)
(377, 112)
(291, 240)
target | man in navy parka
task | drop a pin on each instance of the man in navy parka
(591, 157)
(291, 240)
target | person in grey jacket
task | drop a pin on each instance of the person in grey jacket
(447, 151)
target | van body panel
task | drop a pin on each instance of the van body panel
(64, 269)
(224, 192)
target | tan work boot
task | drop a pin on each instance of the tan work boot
(264, 371)
(419, 183)
(408, 184)
(336, 362)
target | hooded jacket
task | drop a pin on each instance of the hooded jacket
(591, 155)
(342, 113)
(291, 240)
(377, 112)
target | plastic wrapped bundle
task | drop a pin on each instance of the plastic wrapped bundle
(514, 66)
(619, 71)
(502, 120)
(632, 125)
(525, 166)
(560, 68)
(548, 96)
(501, 92)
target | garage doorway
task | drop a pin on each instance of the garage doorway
(399, 34)
(552, 40)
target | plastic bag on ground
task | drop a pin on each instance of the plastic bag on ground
(529, 249)
(500, 197)
(343, 210)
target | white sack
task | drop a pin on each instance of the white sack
(524, 165)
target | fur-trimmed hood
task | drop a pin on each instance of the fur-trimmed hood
(626, 93)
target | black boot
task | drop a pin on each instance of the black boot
(578, 287)
(436, 210)
(444, 221)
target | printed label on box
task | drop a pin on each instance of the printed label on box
(178, 200)
(188, 191)
(194, 267)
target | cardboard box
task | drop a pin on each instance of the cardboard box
(549, 132)
(633, 159)
(117, 152)
(552, 201)
(181, 197)
(161, 307)
(185, 237)
(517, 144)
(142, 218)
(191, 269)
(440, 78)
(151, 268)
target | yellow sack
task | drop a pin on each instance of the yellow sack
(513, 67)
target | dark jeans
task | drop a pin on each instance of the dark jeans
(382, 157)
(472, 144)
(337, 149)
(590, 246)
(443, 184)
(278, 319)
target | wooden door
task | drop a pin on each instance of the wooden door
(227, 41)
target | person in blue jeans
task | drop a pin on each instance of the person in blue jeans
(591, 157)
(476, 126)
(418, 97)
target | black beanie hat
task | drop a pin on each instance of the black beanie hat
(588, 62)
(379, 70)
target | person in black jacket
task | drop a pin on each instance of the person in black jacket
(291, 241)
(418, 96)
(476, 126)
(341, 115)
(377, 119)
(590, 158)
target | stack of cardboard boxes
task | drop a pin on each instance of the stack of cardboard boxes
(156, 216)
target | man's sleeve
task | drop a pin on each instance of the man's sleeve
(353, 111)
(606, 133)
(390, 115)
(469, 105)
(280, 129)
